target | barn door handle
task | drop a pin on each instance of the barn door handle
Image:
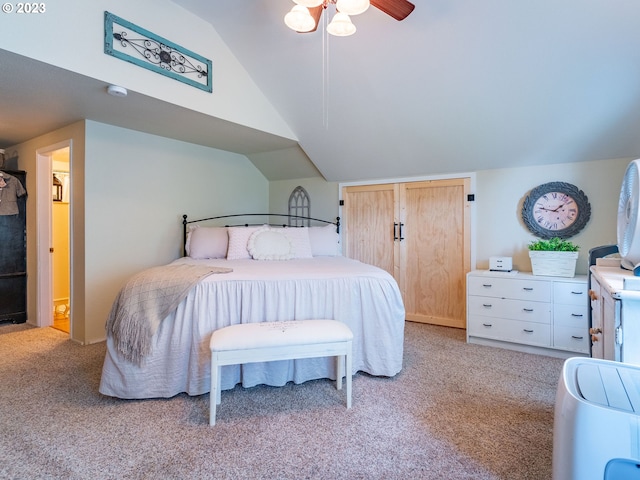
(401, 237)
(395, 231)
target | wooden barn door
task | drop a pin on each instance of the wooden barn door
(368, 217)
(420, 233)
(435, 250)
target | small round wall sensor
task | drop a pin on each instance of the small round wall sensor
(117, 91)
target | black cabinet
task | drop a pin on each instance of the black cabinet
(13, 260)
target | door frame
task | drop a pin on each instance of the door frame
(44, 231)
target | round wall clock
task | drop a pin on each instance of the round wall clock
(556, 209)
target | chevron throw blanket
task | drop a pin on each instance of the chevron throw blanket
(145, 300)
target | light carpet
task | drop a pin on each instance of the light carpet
(456, 411)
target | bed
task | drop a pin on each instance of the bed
(260, 277)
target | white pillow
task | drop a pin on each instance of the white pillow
(207, 242)
(187, 243)
(238, 239)
(324, 241)
(270, 244)
(299, 237)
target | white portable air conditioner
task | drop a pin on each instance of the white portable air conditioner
(596, 431)
(628, 225)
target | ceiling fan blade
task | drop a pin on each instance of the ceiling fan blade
(398, 9)
(315, 12)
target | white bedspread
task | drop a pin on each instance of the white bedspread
(364, 297)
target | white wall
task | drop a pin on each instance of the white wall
(499, 197)
(138, 186)
(70, 35)
(323, 196)
(497, 227)
(130, 190)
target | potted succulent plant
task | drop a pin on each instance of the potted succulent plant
(554, 257)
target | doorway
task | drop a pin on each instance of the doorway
(54, 245)
(60, 240)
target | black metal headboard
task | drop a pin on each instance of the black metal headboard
(269, 216)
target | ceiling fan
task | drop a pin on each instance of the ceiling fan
(305, 16)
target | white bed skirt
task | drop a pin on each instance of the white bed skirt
(364, 297)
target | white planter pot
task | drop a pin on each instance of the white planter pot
(553, 264)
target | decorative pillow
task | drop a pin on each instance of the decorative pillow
(270, 244)
(324, 241)
(299, 237)
(207, 242)
(238, 239)
(187, 243)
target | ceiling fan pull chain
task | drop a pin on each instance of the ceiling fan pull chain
(325, 74)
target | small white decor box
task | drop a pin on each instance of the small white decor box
(500, 264)
(553, 264)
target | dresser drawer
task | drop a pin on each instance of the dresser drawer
(571, 316)
(570, 293)
(539, 312)
(573, 339)
(518, 289)
(529, 333)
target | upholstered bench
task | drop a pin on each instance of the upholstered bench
(268, 341)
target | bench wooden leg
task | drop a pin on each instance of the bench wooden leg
(219, 385)
(214, 393)
(348, 373)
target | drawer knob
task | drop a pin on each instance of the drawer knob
(487, 285)
(487, 305)
(528, 309)
(488, 325)
(577, 337)
(576, 315)
(577, 293)
(527, 289)
(527, 330)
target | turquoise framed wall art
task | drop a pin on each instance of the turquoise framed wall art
(126, 41)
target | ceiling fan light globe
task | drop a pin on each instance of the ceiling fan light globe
(341, 25)
(309, 3)
(299, 19)
(352, 7)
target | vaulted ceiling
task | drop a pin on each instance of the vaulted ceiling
(457, 86)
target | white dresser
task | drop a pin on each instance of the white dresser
(530, 313)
